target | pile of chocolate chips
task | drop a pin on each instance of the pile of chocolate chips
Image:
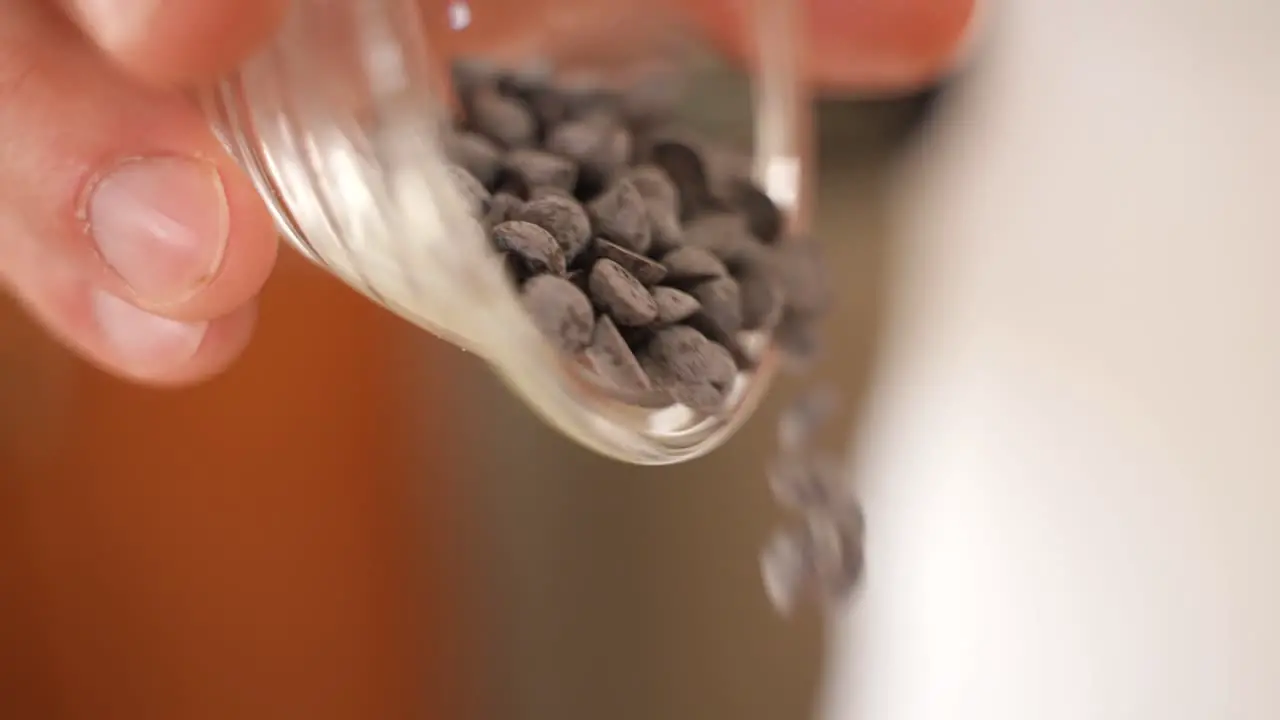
(637, 248)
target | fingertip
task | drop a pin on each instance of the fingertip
(178, 42)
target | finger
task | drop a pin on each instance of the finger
(119, 190)
(177, 41)
(124, 340)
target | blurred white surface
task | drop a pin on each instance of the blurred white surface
(1072, 460)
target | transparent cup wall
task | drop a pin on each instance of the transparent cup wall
(345, 121)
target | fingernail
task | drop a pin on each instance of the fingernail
(116, 23)
(147, 343)
(161, 224)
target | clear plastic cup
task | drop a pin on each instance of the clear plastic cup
(343, 123)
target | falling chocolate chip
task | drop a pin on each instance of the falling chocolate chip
(502, 207)
(612, 358)
(473, 191)
(674, 305)
(648, 272)
(475, 154)
(726, 236)
(809, 480)
(804, 416)
(823, 560)
(687, 171)
(763, 218)
(761, 300)
(693, 265)
(721, 301)
(619, 214)
(541, 169)
(502, 119)
(621, 295)
(796, 336)
(797, 265)
(560, 311)
(561, 216)
(534, 249)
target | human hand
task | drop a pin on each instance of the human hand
(130, 234)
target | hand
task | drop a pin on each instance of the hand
(126, 230)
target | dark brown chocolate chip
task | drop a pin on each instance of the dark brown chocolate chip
(761, 301)
(687, 170)
(810, 480)
(561, 216)
(674, 305)
(611, 357)
(822, 560)
(699, 394)
(763, 218)
(502, 119)
(801, 420)
(727, 237)
(688, 354)
(621, 295)
(502, 207)
(664, 227)
(619, 214)
(536, 251)
(705, 324)
(797, 264)
(721, 301)
(473, 191)
(648, 272)
(538, 193)
(560, 311)
(654, 185)
(796, 336)
(600, 146)
(537, 169)
(475, 154)
(693, 265)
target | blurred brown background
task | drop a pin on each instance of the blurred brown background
(360, 522)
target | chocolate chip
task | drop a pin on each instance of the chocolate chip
(721, 301)
(674, 305)
(726, 236)
(619, 214)
(693, 265)
(687, 171)
(502, 119)
(796, 336)
(763, 218)
(648, 272)
(797, 265)
(761, 301)
(476, 154)
(613, 360)
(664, 227)
(541, 169)
(823, 560)
(502, 207)
(560, 311)
(688, 355)
(810, 481)
(469, 75)
(621, 295)
(801, 420)
(561, 216)
(654, 185)
(601, 147)
(700, 395)
(535, 249)
(473, 191)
